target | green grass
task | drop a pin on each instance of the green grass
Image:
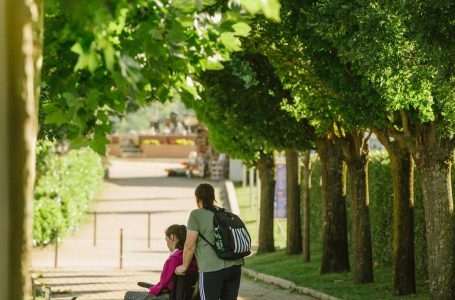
(292, 267)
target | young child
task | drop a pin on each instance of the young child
(175, 237)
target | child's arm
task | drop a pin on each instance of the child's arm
(166, 275)
(188, 251)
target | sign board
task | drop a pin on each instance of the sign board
(280, 206)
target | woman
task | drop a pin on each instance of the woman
(218, 278)
(175, 237)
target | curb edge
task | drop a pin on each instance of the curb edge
(286, 284)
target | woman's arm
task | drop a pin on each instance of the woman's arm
(188, 251)
(166, 276)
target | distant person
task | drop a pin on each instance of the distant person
(154, 127)
(175, 237)
(173, 118)
(166, 127)
(218, 278)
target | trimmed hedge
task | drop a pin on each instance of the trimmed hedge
(64, 190)
(381, 212)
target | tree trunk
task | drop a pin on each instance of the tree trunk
(4, 198)
(403, 224)
(265, 166)
(294, 230)
(22, 63)
(434, 167)
(355, 148)
(403, 265)
(306, 190)
(335, 254)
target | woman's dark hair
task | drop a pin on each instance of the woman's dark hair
(180, 233)
(206, 193)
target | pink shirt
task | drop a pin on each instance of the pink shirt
(174, 260)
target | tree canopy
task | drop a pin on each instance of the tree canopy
(120, 52)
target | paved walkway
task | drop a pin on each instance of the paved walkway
(135, 188)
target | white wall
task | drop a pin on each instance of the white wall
(4, 208)
(235, 170)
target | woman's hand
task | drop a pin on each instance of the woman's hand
(180, 270)
(188, 251)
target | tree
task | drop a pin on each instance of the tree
(228, 135)
(334, 238)
(20, 55)
(305, 190)
(293, 230)
(247, 84)
(322, 89)
(406, 65)
(403, 261)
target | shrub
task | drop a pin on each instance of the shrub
(64, 189)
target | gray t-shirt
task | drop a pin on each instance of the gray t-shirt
(201, 220)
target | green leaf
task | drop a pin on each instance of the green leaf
(209, 2)
(87, 59)
(70, 99)
(211, 64)
(253, 6)
(109, 56)
(177, 33)
(184, 5)
(230, 41)
(57, 117)
(185, 21)
(156, 34)
(241, 29)
(92, 99)
(77, 48)
(270, 8)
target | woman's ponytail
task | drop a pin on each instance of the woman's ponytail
(206, 193)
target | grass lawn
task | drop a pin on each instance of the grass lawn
(307, 274)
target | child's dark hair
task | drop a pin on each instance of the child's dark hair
(180, 233)
(206, 193)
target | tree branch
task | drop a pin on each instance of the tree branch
(405, 122)
(364, 141)
(404, 139)
(384, 138)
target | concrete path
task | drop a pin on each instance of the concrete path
(135, 189)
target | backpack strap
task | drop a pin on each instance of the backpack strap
(216, 210)
(210, 244)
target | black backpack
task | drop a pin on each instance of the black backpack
(232, 240)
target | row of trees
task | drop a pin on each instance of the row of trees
(343, 70)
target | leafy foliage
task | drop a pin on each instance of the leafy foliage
(247, 87)
(63, 191)
(325, 91)
(398, 48)
(125, 53)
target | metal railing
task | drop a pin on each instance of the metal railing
(95, 222)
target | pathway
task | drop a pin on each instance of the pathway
(135, 188)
